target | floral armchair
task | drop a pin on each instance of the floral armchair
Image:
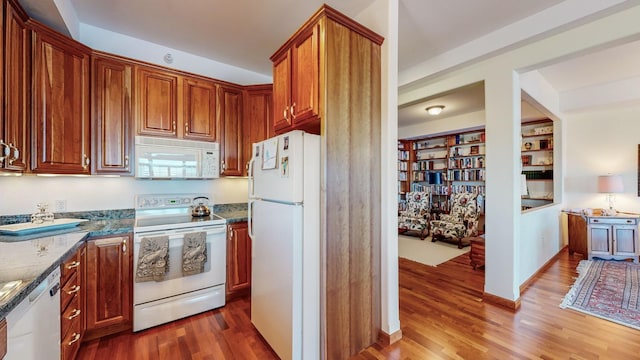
(460, 223)
(417, 215)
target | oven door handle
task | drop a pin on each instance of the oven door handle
(179, 234)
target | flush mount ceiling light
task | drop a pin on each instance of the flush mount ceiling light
(435, 109)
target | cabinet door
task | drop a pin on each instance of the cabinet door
(60, 104)
(257, 124)
(17, 71)
(600, 237)
(112, 116)
(305, 77)
(157, 102)
(238, 260)
(108, 297)
(282, 93)
(625, 240)
(199, 110)
(230, 125)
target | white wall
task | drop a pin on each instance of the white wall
(22, 193)
(506, 251)
(471, 120)
(599, 142)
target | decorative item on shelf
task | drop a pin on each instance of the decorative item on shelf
(434, 110)
(544, 144)
(524, 190)
(528, 146)
(610, 184)
(526, 160)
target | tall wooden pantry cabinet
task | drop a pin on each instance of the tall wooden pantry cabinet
(327, 81)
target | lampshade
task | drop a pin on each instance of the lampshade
(610, 184)
(435, 109)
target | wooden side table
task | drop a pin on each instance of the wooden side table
(477, 251)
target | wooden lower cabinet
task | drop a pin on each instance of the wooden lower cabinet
(109, 290)
(72, 296)
(238, 260)
(3, 338)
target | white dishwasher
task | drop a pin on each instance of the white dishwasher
(33, 327)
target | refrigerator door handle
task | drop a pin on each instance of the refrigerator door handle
(251, 179)
(249, 223)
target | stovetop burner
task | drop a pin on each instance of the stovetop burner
(168, 212)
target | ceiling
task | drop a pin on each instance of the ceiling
(246, 33)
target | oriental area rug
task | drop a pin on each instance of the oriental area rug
(607, 289)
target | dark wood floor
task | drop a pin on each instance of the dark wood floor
(442, 317)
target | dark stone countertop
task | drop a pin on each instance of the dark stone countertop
(21, 257)
(232, 212)
(31, 261)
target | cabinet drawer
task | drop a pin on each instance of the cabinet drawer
(69, 290)
(70, 314)
(71, 342)
(69, 267)
(613, 221)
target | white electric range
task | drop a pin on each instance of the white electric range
(177, 296)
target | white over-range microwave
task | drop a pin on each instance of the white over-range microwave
(159, 158)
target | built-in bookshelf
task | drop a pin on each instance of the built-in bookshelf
(404, 161)
(448, 164)
(537, 163)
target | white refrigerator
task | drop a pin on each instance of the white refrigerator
(284, 225)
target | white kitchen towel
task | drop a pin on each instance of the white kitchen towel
(153, 260)
(194, 253)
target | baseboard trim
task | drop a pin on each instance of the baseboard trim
(385, 339)
(513, 305)
(527, 283)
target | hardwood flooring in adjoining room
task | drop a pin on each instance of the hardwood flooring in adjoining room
(442, 316)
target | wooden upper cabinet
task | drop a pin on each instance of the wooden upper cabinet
(60, 103)
(282, 92)
(230, 125)
(14, 130)
(112, 85)
(305, 77)
(257, 122)
(199, 115)
(296, 83)
(157, 102)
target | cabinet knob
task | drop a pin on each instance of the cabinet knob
(13, 155)
(595, 220)
(292, 110)
(73, 290)
(73, 265)
(2, 151)
(85, 162)
(75, 313)
(126, 160)
(173, 127)
(124, 245)
(285, 112)
(76, 337)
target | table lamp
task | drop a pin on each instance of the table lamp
(610, 184)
